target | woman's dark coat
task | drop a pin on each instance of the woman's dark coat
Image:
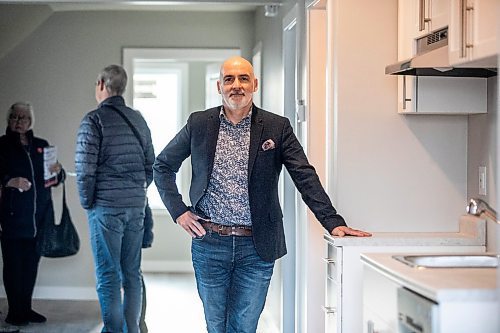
(23, 213)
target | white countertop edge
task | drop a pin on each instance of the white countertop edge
(472, 232)
(402, 282)
(441, 295)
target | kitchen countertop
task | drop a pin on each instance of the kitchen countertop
(472, 232)
(437, 284)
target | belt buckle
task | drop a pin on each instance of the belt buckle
(220, 229)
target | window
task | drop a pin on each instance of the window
(157, 94)
(257, 70)
(212, 96)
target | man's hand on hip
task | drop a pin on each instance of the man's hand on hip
(189, 222)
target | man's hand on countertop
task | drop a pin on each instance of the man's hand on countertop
(346, 231)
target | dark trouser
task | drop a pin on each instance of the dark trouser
(20, 268)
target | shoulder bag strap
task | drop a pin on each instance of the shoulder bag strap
(136, 133)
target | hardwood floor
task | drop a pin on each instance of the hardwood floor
(173, 305)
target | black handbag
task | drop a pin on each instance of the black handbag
(59, 240)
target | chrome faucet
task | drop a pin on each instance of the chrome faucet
(479, 207)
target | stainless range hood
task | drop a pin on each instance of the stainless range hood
(432, 60)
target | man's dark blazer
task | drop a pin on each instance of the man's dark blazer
(198, 139)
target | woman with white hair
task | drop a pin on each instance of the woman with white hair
(26, 203)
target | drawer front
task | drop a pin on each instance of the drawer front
(332, 288)
(332, 293)
(334, 254)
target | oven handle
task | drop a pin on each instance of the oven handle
(408, 322)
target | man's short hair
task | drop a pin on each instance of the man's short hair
(114, 78)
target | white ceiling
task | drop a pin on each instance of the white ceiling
(168, 5)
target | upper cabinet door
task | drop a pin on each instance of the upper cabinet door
(473, 33)
(407, 28)
(438, 14)
(417, 18)
(441, 95)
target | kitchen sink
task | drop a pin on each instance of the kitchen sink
(450, 260)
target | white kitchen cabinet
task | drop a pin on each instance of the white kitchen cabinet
(380, 312)
(441, 95)
(417, 18)
(401, 298)
(473, 33)
(437, 94)
(344, 277)
(344, 280)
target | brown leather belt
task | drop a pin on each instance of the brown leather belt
(227, 230)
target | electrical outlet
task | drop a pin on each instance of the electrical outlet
(482, 180)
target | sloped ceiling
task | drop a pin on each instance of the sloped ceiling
(17, 22)
(18, 18)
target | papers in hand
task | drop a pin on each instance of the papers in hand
(49, 159)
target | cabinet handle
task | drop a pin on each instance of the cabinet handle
(422, 19)
(464, 40)
(404, 93)
(469, 38)
(421, 15)
(329, 309)
(329, 261)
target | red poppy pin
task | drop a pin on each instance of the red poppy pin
(39, 150)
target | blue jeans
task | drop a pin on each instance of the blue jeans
(116, 239)
(232, 282)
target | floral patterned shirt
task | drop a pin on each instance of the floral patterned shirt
(226, 200)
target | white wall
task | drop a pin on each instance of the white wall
(55, 68)
(393, 172)
(483, 151)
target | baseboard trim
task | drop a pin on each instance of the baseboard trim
(167, 266)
